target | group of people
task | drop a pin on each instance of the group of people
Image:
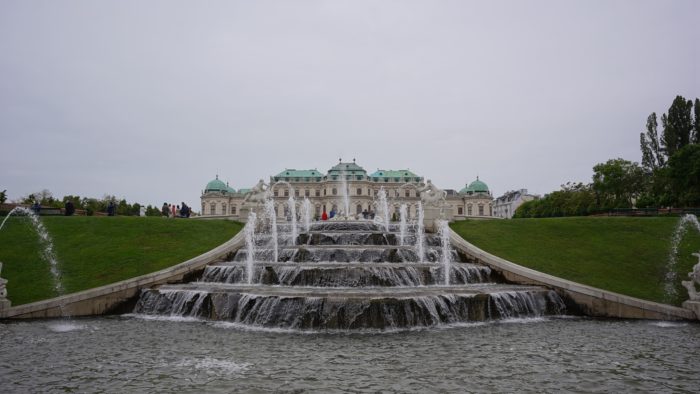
(365, 214)
(174, 211)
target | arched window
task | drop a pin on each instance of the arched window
(334, 191)
(481, 210)
(358, 209)
(213, 209)
(469, 210)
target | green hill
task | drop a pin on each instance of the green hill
(95, 251)
(624, 255)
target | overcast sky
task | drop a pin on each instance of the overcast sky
(150, 100)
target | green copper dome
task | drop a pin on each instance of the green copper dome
(216, 185)
(476, 187)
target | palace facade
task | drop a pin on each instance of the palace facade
(325, 192)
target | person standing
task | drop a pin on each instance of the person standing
(173, 211)
(70, 208)
(164, 210)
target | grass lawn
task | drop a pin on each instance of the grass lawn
(624, 255)
(95, 251)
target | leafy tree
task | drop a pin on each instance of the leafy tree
(652, 156)
(678, 125)
(574, 199)
(3, 196)
(684, 175)
(617, 183)
(696, 133)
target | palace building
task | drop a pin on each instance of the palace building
(325, 191)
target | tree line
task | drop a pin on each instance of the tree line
(89, 204)
(668, 176)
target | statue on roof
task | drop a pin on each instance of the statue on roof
(258, 193)
(431, 194)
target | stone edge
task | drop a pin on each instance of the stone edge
(101, 300)
(592, 301)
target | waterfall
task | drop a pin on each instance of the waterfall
(402, 226)
(345, 194)
(306, 214)
(382, 209)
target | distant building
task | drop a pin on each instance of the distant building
(325, 192)
(505, 205)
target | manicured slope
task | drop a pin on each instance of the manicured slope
(624, 255)
(94, 251)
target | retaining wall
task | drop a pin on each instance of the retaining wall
(590, 300)
(110, 298)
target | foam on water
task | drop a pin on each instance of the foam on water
(668, 324)
(214, 366)
(66, 327)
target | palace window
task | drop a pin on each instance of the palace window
(359, 191)
(276, 193)
(334, 191)
(408, 193)
(460, 211)
(358, 209)
(223, 209)
(213, 209)
(481, 210)
(296, 193)
(233, 209)
(286, 192)
(307, 193)
(469, 210)
(318, 192)
(318, 210)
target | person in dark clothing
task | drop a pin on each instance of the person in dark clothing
(165, 210)
(184, 211)
(70, 208)
(36, 207)
(111, 209)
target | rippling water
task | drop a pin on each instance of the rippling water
(133, 354)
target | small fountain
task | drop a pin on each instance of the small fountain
(44, 240)
(403, 212)
(272, 219)
(420, 234)
(671, 277)
(249, 231)
(306, 214)
(382, 209)
(446, 253)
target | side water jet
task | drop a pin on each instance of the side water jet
(272, 218)
(403, 212)
(446, 254)
(250, 245)
(382, 209)
(44, 240)
(420, 234)
(671, 277)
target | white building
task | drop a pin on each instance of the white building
(505, 205)
(325, 193)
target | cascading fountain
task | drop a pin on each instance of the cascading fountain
(249, 230)
(272, 219)
(403, 212)
(382, 209)
(348, 275)
(306, 214)
(420, 233)
(292, 206)
(345, 194)
(446, 254)
(44, 240)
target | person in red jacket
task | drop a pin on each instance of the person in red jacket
(324, 216)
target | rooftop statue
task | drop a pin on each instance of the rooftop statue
(431, 194)
(258, 193)
(694, 276)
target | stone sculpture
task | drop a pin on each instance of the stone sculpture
(693, 295)
(258, 193)
(431, 194)
(4, 302)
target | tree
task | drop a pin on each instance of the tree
(696, 134)
(3, 196)
(678, 125)
(684, 175)
(652, 155)
(617, 183)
